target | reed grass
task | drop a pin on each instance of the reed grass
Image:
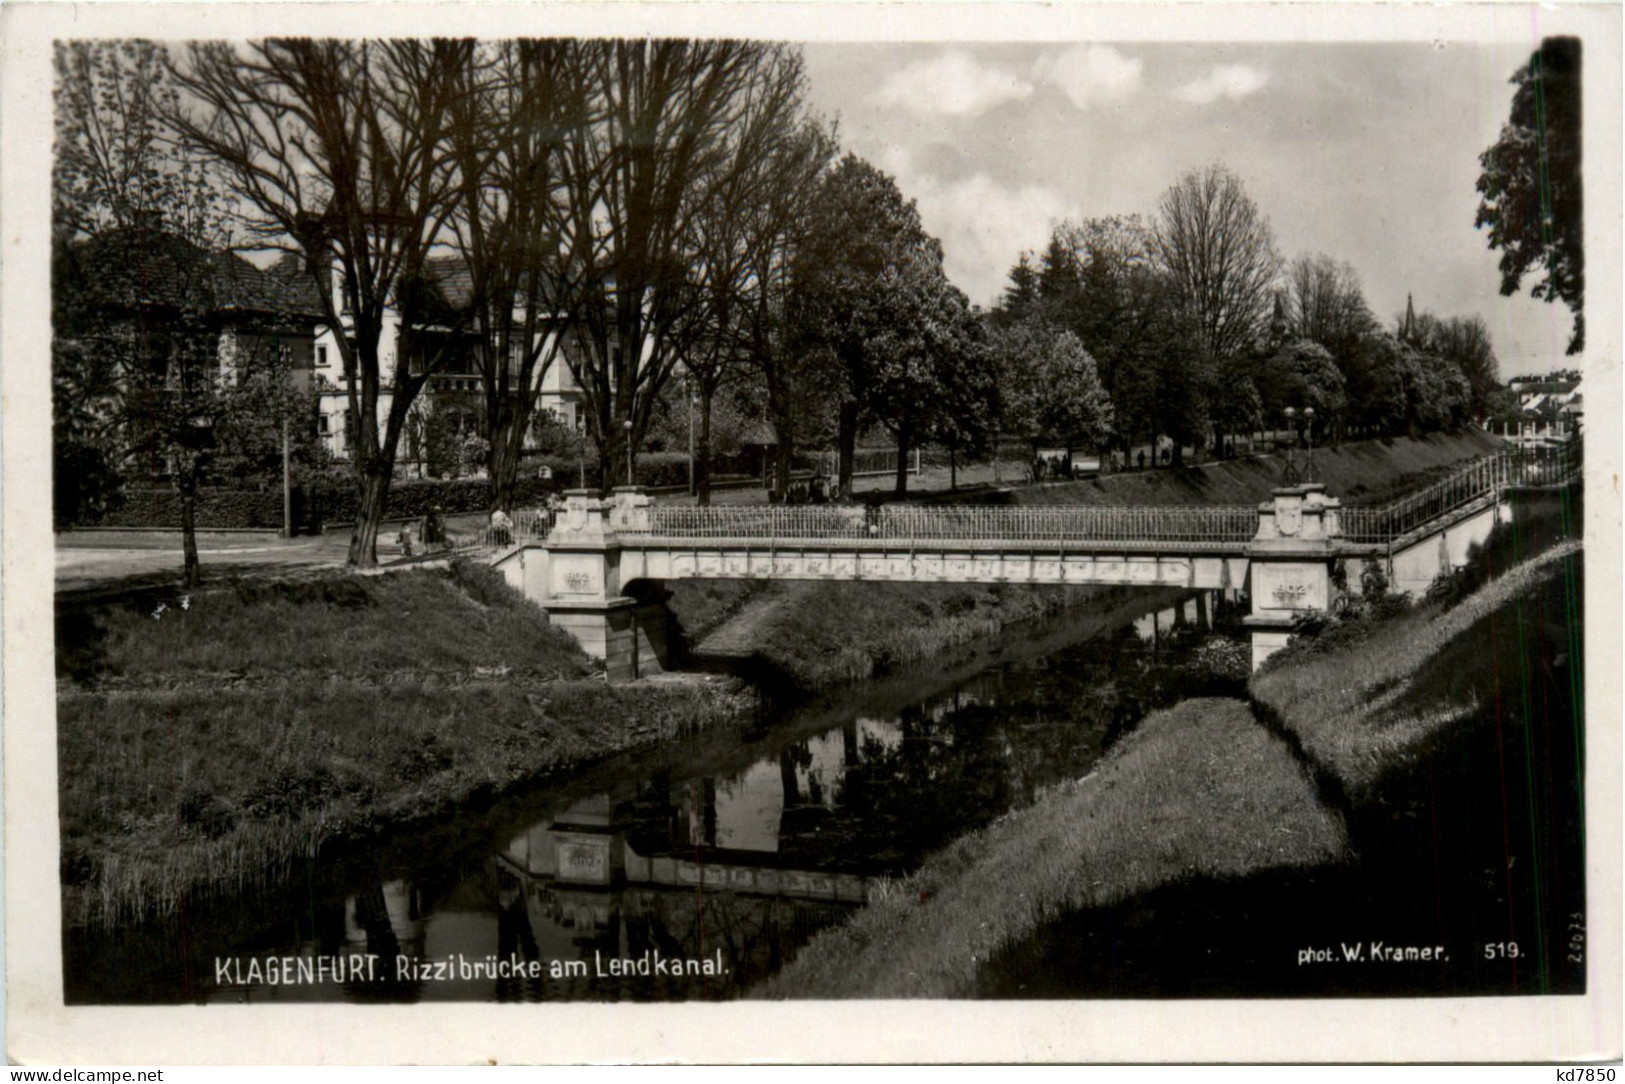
(206, 751)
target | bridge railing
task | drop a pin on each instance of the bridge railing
(924, 523)
(525, 527)
(1489, 475)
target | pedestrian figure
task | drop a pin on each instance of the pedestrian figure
(1142, 459)
(501, 528)
(405, 539)
(434, 532)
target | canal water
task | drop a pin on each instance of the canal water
(700, 869)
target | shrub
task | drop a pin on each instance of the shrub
(294, 789)
(423, 761)
(204, 813)
(1223, 658)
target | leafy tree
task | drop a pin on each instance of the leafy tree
(1076, 408)
(1104, 285)
(869, 292)
(1530, 184)
(964, 416)
(1463, 341)
(1050, 388)
(1302, 375)
(148, 375)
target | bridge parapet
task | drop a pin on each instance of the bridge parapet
(1299, 514)
(1290, 563)
(1283, 549)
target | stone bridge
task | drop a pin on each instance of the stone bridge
(1281, 552)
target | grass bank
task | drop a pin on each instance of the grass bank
(1199, 790)
(813, 635)
(1368, 694)
(207, 749)
(1364, 472)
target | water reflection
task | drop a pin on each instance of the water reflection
(722, 868)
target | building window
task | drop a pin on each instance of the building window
(323, 424)
(321, 356)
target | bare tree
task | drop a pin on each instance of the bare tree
(634, 189)
(1326, 304)
(741, 234)
(1220, 250)
(517, 111)
(338, 151)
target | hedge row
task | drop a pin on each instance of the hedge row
(407, 499)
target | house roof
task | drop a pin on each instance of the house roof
(144, 268)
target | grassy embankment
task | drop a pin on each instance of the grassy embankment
(815, 635)
(206, 750)
(1199, 790)
(1364, 472)
(1369, 694)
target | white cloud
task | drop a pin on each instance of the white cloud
(983, 224)
(1090, 74)
(953, 83)
(1233, 81)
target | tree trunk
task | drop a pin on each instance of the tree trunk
(507, 439)
(847, 440)
(784, 455)
(902, 459)
(953, 468)
(702, 450)
(369, 514)
(192, 572)
(610, 455)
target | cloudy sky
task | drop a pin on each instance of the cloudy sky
(1368, 153)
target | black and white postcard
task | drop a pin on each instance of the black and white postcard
(712, 532)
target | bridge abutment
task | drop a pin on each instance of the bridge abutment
(577, 579)
(1290, 563)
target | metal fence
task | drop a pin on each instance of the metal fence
(903, 524)
(1490, 475)
(526, 527)
(932, 524)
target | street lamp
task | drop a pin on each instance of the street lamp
(688, 394)
(1289, 470)
(627, 425)
(1309, 426)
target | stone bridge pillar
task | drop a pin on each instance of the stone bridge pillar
(1290, 563)
(581, 585)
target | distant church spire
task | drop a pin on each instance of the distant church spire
(1278, 323)
(1408, 332)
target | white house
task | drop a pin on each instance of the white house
(1550, 411)
(454, 391)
